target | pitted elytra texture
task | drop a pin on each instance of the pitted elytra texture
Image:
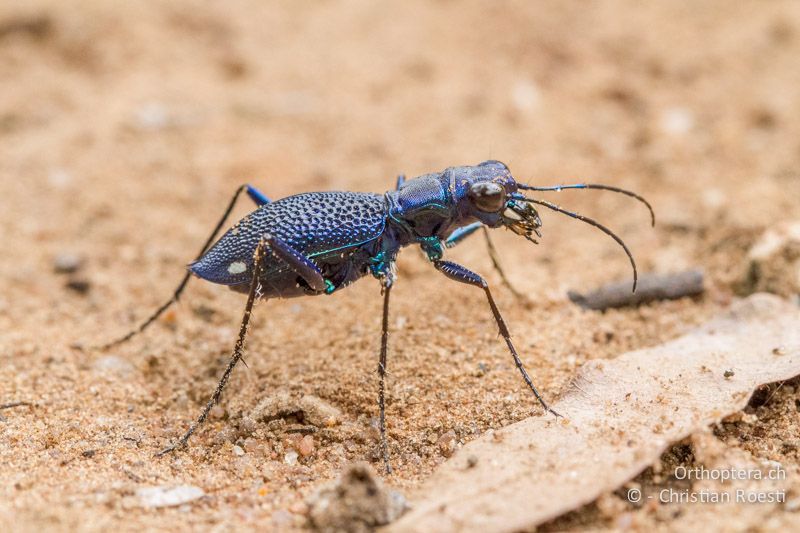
(311, 223)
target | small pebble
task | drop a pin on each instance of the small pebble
(166, 496)
(226, 434)
(247, 425)
(112, 364)
(676, 121)
(251, 445)
(292, 440)
(238, 451)
(217, 412)
(67, 263)
(525, 95)
(447, 443)
(306, 446)
(290, 458)
(728, 374)
(357, 501)
(152, 116)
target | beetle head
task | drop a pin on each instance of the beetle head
(488, 192)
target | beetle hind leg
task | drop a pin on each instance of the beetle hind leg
(258, 197)
(238, 350)
(268, 245)
(182, 285)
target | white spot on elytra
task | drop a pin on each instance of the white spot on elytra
(237, 267)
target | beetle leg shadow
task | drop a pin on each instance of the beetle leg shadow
(493, 255)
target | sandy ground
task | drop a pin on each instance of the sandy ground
(125, 127)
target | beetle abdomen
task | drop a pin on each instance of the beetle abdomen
(314, 224)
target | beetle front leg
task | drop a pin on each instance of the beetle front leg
(462, 233)
(459, 273)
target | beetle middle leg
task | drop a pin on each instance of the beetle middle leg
(297, 262)
(459, 273)
(387, 283)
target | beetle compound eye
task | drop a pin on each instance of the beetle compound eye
(487, 196)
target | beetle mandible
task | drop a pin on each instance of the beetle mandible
(317, 243)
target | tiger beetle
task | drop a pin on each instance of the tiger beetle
(319, 242)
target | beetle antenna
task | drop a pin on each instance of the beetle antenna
(594, 186)
(597, 225)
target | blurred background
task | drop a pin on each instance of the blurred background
(118, 117)
(126, 126)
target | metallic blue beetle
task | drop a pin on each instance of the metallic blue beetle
(320, 242)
